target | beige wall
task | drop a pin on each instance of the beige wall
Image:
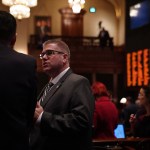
(105, 13)
(22, 33)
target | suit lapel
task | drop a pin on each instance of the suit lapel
(55, 87)
(41, 93)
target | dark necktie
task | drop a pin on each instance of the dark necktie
(47, 88)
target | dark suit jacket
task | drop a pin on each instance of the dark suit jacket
(67, 119)
(17, 98)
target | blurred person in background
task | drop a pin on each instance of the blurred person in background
(129, 108)
(105, 114)
(103, 37)
(140, 122)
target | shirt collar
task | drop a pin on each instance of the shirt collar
(56, 79)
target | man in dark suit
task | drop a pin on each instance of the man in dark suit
(63, 118)
(104, 38)
(17, 89)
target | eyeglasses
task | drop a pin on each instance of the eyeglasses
(49, 53)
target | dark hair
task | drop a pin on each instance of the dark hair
(147, 91)
(8, 26)
(130, 99)
(99, 89)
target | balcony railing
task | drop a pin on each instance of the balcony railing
(78, 41)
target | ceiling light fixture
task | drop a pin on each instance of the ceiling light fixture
(20, 8)
(76, 5)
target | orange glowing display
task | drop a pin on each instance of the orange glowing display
(138, 69)
(129, 81)
(134, 69)
(146, 66)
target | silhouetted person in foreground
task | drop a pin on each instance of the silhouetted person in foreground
(17, 89)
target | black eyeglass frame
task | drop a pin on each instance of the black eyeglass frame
(50, 52)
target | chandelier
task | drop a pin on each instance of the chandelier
(76, 5)
(20, 8)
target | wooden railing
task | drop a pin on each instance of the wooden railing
(72, 41)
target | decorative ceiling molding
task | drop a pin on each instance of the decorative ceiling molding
(117, 7)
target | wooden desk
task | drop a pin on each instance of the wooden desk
(122, 144)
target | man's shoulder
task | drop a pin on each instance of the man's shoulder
(70, 75)
(25, 56)
(77, 77)
(24, 59)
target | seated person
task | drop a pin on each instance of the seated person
(140, 122)
(130, 108)
(105, 114)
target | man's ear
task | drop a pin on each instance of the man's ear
(13, 41)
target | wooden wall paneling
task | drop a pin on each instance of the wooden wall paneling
(71, 23)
